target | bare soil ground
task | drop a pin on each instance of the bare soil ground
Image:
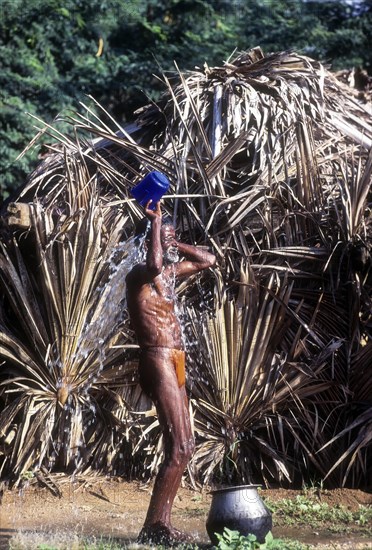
(69, 510)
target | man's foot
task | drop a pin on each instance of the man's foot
(158, 533)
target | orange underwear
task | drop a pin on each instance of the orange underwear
(178, 358)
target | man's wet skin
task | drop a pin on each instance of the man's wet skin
(151, 304)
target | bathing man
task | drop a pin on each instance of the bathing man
(151, 305)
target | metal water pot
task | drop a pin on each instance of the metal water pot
(239, 509)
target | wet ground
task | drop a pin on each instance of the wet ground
(65, 512)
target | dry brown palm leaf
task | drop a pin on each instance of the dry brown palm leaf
(268, 160)
(351, 446)
(355, 444)
(58, 282)
(360, 381)
(258, 356)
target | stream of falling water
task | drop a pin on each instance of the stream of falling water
(106, 323)
(111, 306)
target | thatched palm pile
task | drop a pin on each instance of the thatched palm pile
(270, 167)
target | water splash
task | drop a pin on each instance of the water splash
(105, 326)
(109, 311)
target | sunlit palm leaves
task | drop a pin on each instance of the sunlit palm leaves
(58, 371)
(252, 373)
(268, 162)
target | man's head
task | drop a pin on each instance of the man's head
(168, 243)
(167, 237)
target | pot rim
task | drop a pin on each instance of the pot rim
(234, 488)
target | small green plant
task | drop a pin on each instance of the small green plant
(233, 540)
(364, 515)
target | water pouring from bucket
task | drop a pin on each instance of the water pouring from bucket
(152, 187)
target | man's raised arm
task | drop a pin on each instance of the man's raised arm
(154, 256)
(196, 259)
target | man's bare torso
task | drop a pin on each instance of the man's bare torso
(151, 308)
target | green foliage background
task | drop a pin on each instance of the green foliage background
(49, 61)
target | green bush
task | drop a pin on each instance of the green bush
(52, 56)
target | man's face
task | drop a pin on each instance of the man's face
(168, 238)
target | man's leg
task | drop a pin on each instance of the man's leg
(170, 400)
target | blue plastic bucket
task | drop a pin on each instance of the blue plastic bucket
(152, 187)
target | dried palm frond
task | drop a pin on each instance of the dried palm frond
(351, 446)
(257, 362)
(269, 163)
(61, 280)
